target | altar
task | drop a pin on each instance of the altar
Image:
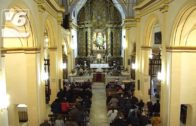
(80, 78)
(103, 65)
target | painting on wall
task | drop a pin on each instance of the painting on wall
(157, 38)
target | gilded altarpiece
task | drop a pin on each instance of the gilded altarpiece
(99, 29)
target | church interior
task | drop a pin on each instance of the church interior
(98, 63)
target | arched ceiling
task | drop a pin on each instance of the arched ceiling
(76, 5)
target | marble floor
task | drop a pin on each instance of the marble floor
(98, 115)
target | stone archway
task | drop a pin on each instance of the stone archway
(50, 60)
(182, 47)
(185, 28)
(148, 43)
(149, 48)
(150, 23)
(77, 5)
(18, 34)
(20, 60)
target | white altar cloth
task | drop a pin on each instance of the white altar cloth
(99, 65)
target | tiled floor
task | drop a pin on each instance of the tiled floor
(98, 115)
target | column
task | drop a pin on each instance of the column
(3, 93)
(35, 90)
(164, 94)
(145, 81)
(53, 74)
(132, 36)
(4, 118)
(89, 41)
(124, 47)
(3, 113)
(166, 61)
(109, 40)
(59, 59)
(69, 60)
(174, 91)
(24, 87)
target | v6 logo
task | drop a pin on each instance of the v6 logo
(17, 18)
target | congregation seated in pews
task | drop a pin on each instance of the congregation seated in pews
(124, 109)
(72, 105)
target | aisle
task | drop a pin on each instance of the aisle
(98, 115)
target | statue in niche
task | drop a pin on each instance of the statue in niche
(99, 42)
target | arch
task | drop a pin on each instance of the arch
(49, 27)
(184, 29)
(29, 27)
(151, 22)
(120, 7)
(77, 5)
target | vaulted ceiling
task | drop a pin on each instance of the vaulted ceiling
(125, 7)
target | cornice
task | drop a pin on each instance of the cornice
(181, 49)
(130, 22)
(164, 8)
(20, 50)
(146, 47)
(143, 4)
(149, 6)
(55, 6)
(51, 7)
(73, 25)
(52, 48)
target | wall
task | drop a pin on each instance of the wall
(176, 87)
(24, 66)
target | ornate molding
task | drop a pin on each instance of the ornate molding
(52, 48)
(40, 4)
(164, 8)
(20, 50)
(149, 6)
(180, 49)
(55, 6)
(73, 25)
(146, 47)
(39, 1)
(59, 19)
(130, 22)
(143, 3)
(51, 7)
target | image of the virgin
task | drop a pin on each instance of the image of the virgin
(99, 39)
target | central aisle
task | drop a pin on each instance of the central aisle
(98, 115)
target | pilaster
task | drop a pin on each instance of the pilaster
(53, 74)
(23, 86)
(109, 41)
(89, 41)
(145, 77)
